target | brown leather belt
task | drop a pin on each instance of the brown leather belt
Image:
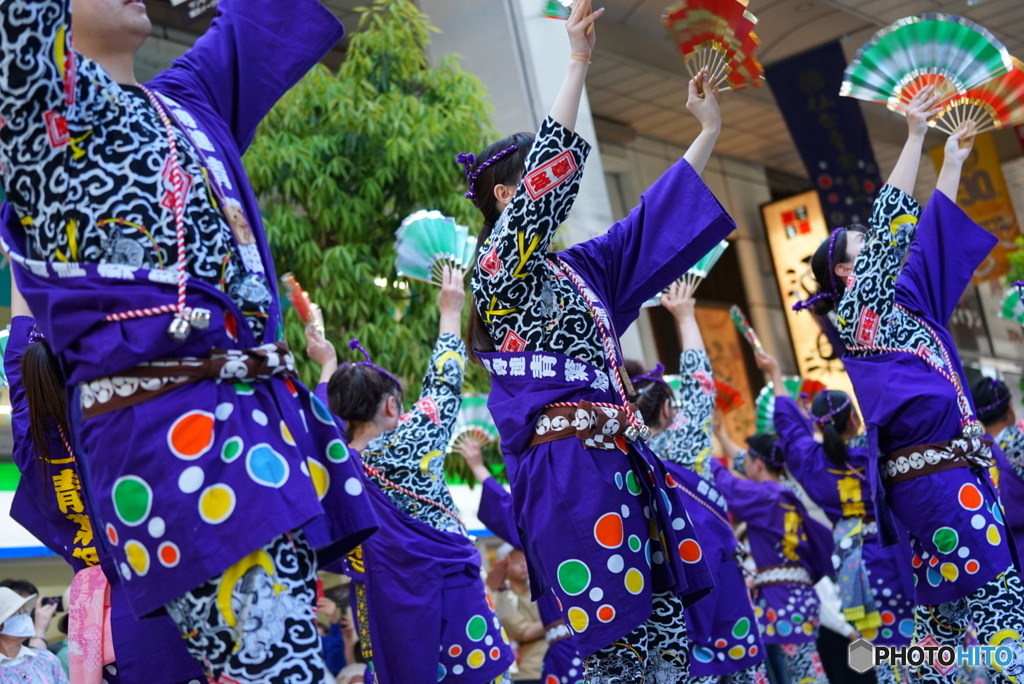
(928, 459)
(596, 425)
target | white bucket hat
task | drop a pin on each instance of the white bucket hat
(11, 602)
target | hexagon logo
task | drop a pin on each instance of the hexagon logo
(861, 656)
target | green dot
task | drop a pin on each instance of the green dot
(573, 577)
(797, 618)
(634, 542)
(945, 539)
(741, 628)
(133, 499)
(232, 449)
(887, 633)
(632, 483)
(476, 629)
(337, 451)
(243, 387)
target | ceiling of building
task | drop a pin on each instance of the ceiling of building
(637, 82)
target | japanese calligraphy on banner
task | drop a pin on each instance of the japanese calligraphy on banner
(986, 199)
(191, 11)
(829, 132)
(795, 227)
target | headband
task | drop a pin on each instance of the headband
(653, 375)
(776, 461)
(36, 336)
(356, 346)
(823, 293)
(998, 402)
(832, 411)
(468, 160)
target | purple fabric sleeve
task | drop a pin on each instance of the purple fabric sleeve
(250, 56)
(800, 449)
(676, 223)
(496, 512)
(948, 248)
(745, 497)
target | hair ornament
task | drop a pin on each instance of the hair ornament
(468, 160)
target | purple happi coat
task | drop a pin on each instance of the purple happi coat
(780, 533)
(601, 528)
(844, 494)
(1009, 455)
(141, 647)
(955, 522)
(561, 661)
(185, 483)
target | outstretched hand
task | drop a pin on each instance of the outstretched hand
(704, 108)
(580, 27)
(766, 362)
(471, 450)
(452, 297)
(921, 108)
(679, 300)
(960, 143)
(319, 348)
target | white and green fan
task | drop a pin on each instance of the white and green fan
(475, 420)
(796, 388)
(697, 273)
(5, 335)
(1013, 308)
(426, 242)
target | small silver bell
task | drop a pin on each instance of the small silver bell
(200, 318)
(972, 430)
(631, 433)
(179, 329)
(645, 433)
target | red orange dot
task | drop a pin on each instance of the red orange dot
(455, 651)
(168, 554)
(933, 561)
(608, 530)
(972, 566)
(690, 551)
(495, 653)
(605, 613)
(970, 497)
(112, 534)
(191, 436)
(916, 561)
(888, 618)
(670, 481)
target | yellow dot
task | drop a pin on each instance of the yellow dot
(993, 535)
(286, 434)
(737, 652)
(808, 628)
(321, 479)
(138, 557)
(216, 503)
(476, 658)
(758, 611)
(634, 581)
(770, 630)
(504, 635)
(949, 571)
(578, 619)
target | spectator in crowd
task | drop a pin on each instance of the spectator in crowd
(41, 614)
(509, 583)
(19, 663)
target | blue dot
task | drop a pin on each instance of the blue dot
(934, 578)
(266, 466)
(321, 412)
(618, 480)
(441, 671)
(668, 504)
(907, 628)
(703, 654)
(784, 628)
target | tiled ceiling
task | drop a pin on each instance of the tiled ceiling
(639, 80)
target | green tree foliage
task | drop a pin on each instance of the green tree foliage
(343, 158)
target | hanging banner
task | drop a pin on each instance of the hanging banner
(829, 132)
(795, 227)
(986, 199)
(191, 11)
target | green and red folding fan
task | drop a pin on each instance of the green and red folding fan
(948, 52)
(999, 103)
(727, 399)
(427, 241)
(764, 406)
(717, 35)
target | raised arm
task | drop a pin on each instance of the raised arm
(252, 54)
(803, 454)
(582, 37)
(678, 300)
(921, 108)
(705, 109)
(37, 51)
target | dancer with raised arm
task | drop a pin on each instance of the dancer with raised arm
(875, 582)
(792, 552)
(137, 242)
(591, 500)
(420, 568)
(724, 638)
(893, 302)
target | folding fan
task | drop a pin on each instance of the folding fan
(557, 9)
(796, 388)
(427, 241)
(717, 35)
(1013, 308)
(743, 325)
(697, 273)
(948, 52)
(727, 399)
(475, 420)
(999, 103)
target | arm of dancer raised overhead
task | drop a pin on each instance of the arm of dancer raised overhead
(692, 447)
(447, 370)
(252, 54)
(949, 245)
(677, 222)
(796, 432)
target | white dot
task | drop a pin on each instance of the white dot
(625, 511)
(577, 662)
(573, 672)
(658, 557)
(596, 594)
(457, 669)
(157, 528)
(224, 411)
(846, 543)
(978, 521)
(304, 468)
(678, 524)
(191, 479)
(615, 563)
(353, 486)
(887, 593)
(489, 640)
(126, 572)
(260, 417)
(963, 552)
(647, 512)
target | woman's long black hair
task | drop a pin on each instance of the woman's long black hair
(832, 411)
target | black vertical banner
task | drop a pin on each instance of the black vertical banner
(829, 132)
(191, 11)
